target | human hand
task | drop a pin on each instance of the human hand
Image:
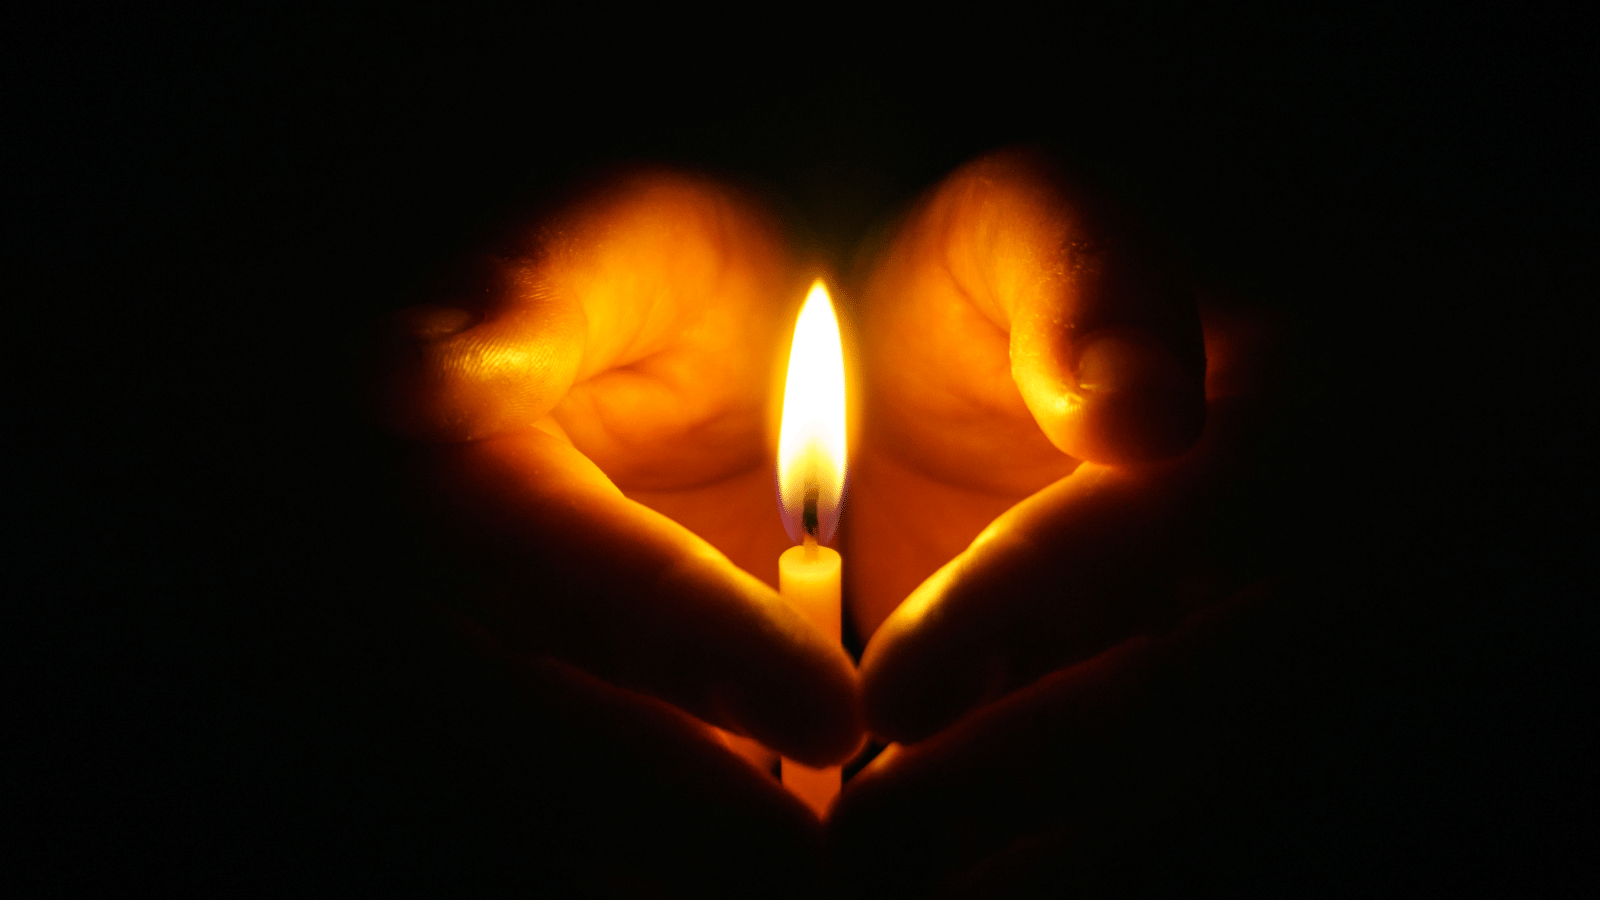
(1028, 358)
(599, 422)
(1123, 775)
(1036, 375)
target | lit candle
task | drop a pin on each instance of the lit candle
(811, 473)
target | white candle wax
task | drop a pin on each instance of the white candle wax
(808, 578)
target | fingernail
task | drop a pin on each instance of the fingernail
(431, 323)
(1117, 362)
(1143, 405)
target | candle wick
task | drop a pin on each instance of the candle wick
(810, 520)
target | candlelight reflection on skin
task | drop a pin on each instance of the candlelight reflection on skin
(1012, 331)
(1029, 538)
(604, 444)
(1032, 374)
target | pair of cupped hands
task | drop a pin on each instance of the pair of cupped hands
(1043, 413)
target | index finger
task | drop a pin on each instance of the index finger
(621, 591)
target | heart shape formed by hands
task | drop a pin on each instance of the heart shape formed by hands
(599, 420)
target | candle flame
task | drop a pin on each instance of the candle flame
(811, 443)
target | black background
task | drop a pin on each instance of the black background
(219, 677)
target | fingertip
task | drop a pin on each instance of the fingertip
(1140, 402)
(821, 726)
(774, 677)
(903, 697)
(881, 686)
(403, 386)
(431, 323)
(447, 374)
(1129, 399)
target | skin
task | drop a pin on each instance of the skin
(1014, 331)
(1054, 789)
(591, 421)
(1043, 439)
(1059, 689)
(598, 423)
(617, 369)
(1033, 548)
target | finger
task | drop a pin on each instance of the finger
(641, 305)
(488, 364)
(1076, 568)
(665, 809)
(1028, 764)
(1011, 291)
(634, 798)
(626, 594)
(1088, 757)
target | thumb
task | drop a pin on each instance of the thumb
(478, 368)
(1105, 341)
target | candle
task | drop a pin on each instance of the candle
(811, 475)
(808, 578)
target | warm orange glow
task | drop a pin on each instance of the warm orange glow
(811, 444)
